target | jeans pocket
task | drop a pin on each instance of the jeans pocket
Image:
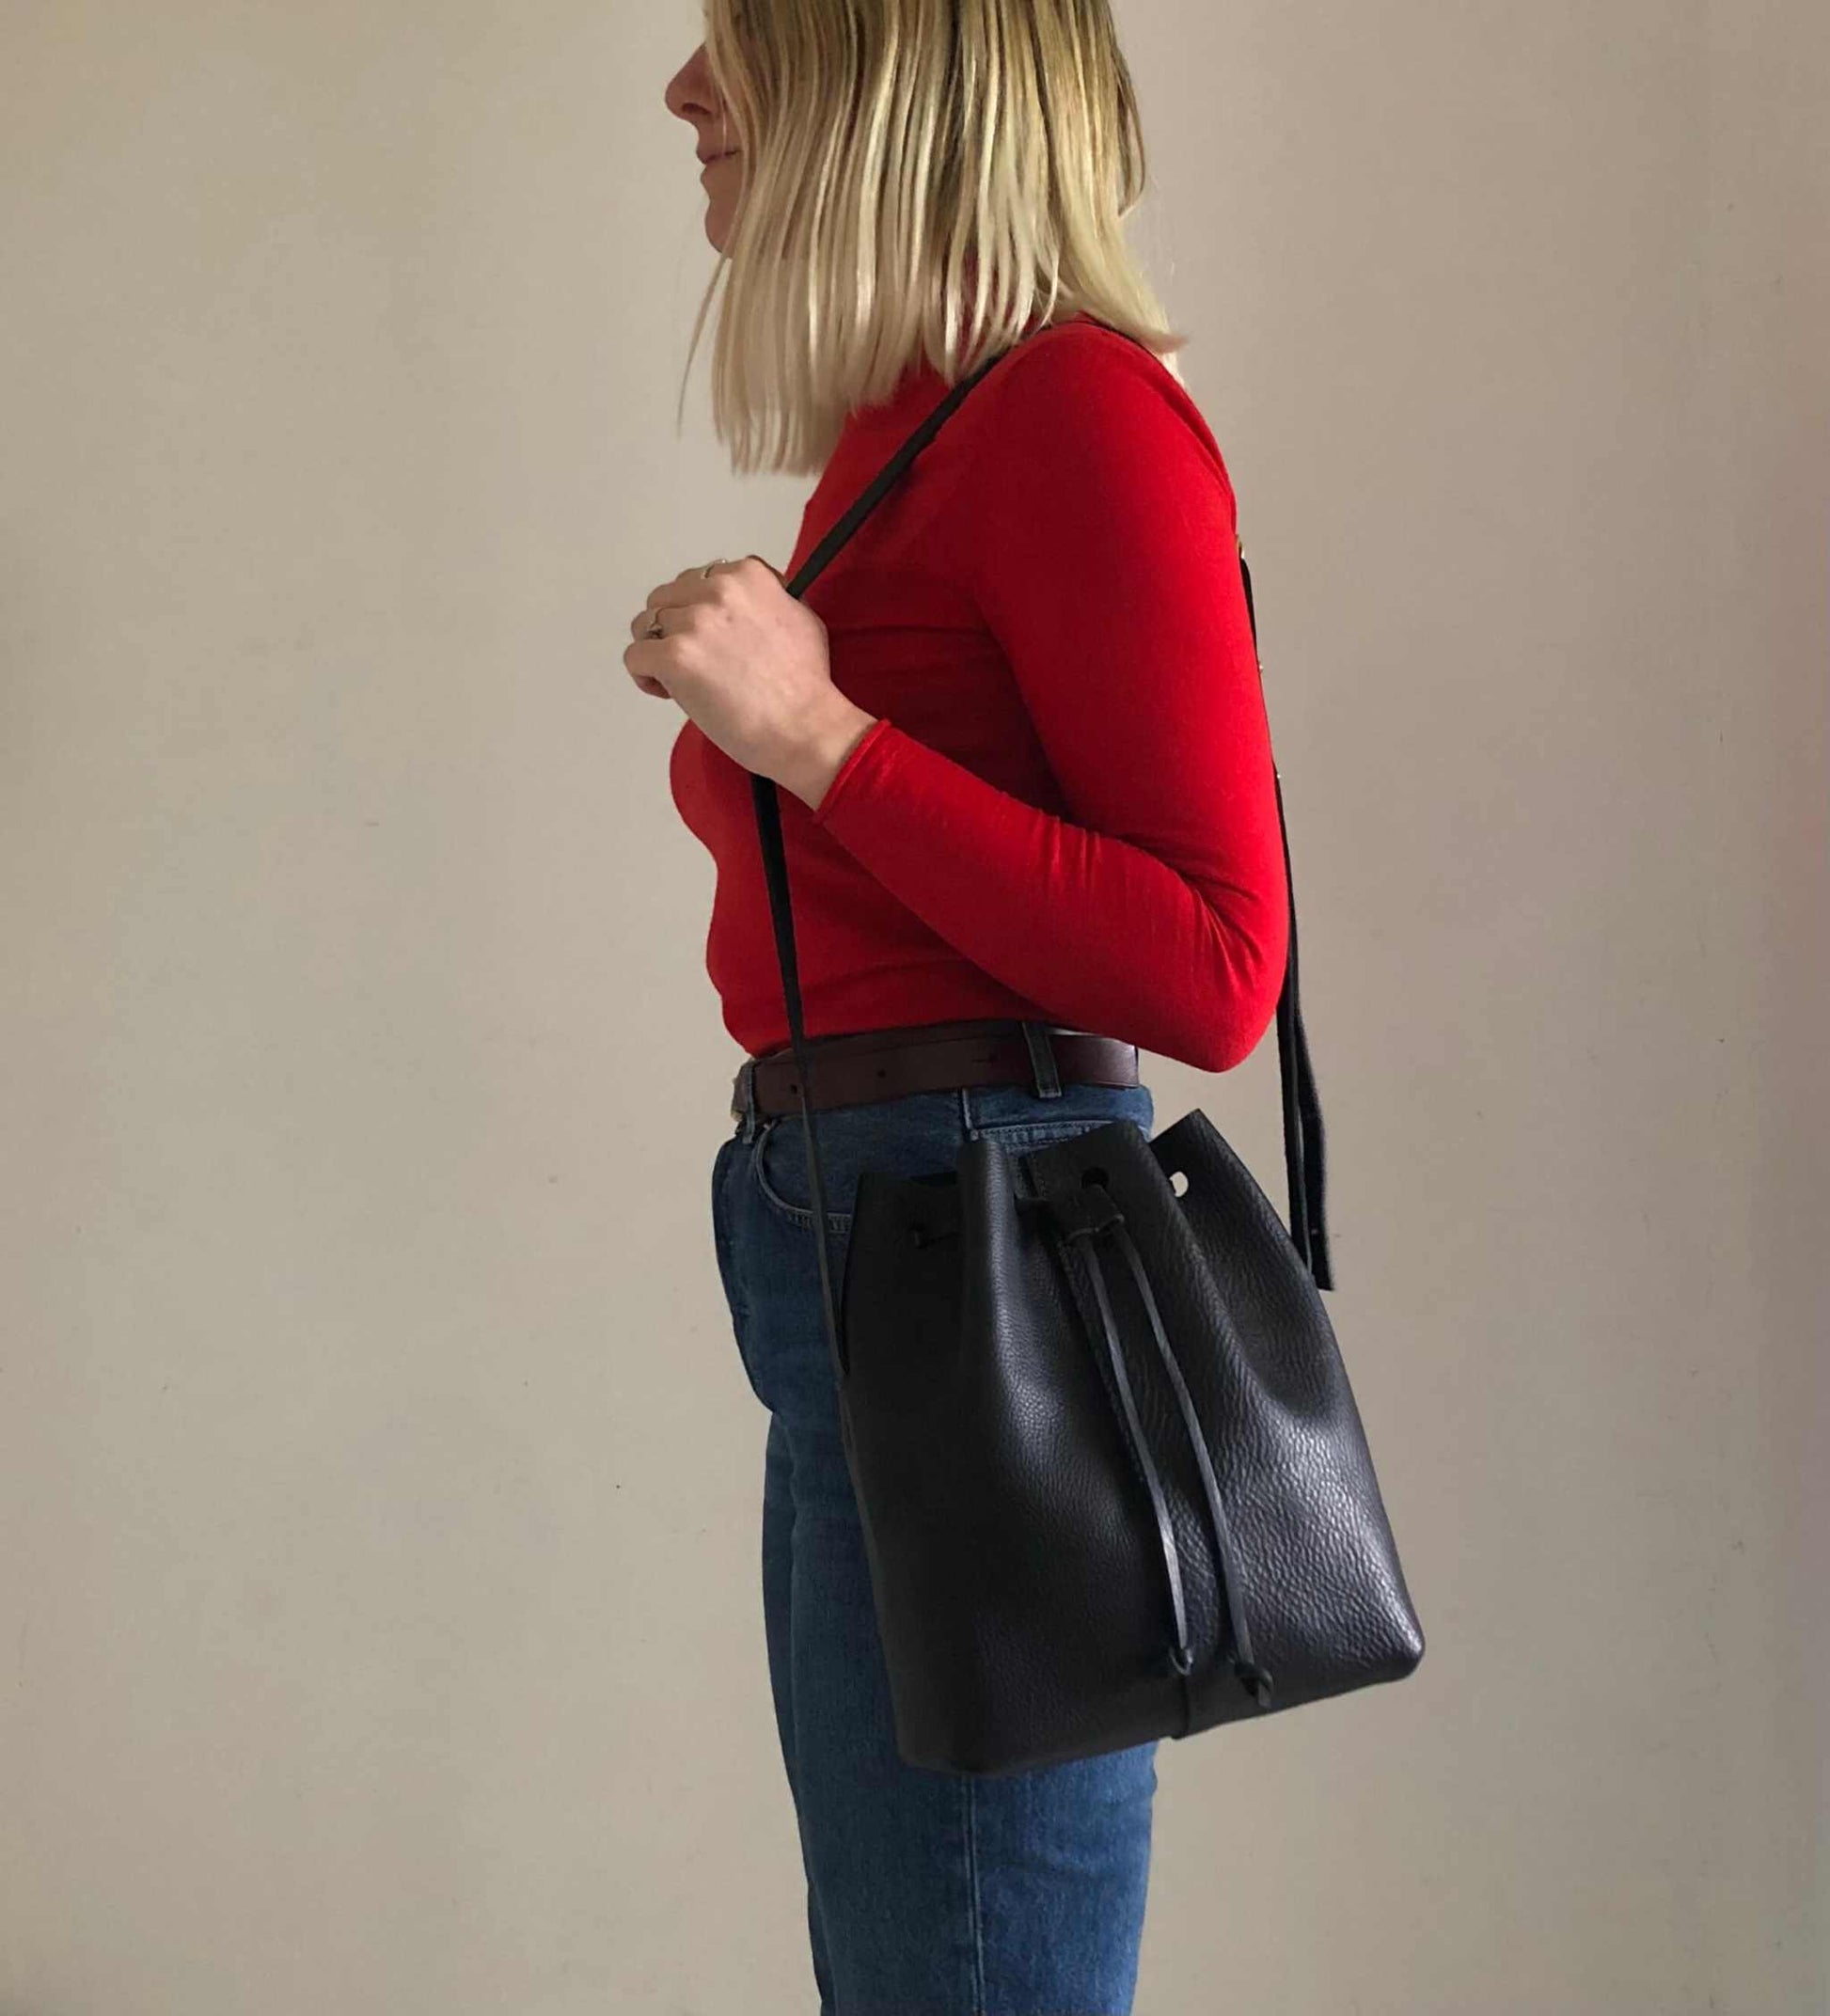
(920, 1133)
(779, 1164)
(1017, 1118)
(1017, 1134)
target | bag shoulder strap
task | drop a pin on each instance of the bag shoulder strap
(1303, 1146)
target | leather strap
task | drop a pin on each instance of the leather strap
(885, 1064)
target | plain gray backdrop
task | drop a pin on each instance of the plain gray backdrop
(378, 1484)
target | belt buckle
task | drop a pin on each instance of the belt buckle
(742, 1090)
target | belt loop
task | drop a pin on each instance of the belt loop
(1042, 1061)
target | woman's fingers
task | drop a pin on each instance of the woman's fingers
(691, 586)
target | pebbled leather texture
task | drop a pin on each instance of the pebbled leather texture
(1017, 1559)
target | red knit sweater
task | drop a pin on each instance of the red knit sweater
(1066, 810)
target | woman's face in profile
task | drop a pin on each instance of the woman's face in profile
(691, 95)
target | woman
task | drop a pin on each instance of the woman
(1030, 813)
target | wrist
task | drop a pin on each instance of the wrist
(823, 756)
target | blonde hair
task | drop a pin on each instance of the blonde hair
(921, 178)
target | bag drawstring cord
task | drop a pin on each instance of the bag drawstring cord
(1254, 1679)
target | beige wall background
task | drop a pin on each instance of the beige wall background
(379, 1484)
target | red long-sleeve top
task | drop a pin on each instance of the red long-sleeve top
(1066, 810)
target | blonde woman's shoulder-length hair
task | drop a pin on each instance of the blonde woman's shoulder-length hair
(922, 179)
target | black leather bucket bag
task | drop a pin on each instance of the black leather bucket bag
(1112, 1477)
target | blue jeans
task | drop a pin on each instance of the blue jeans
(929, 1893)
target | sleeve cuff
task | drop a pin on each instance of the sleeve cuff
(859, 767)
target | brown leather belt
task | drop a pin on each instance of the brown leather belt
(884, 1064)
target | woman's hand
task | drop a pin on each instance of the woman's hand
(747, 662)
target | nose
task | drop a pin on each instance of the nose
(692, 96)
